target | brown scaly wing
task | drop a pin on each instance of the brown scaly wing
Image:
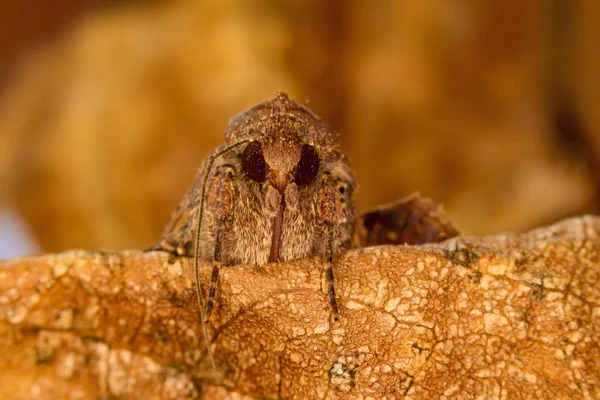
(411, 220)
(177, 237)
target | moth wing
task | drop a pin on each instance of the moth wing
(177, 236)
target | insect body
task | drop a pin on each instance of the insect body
(279, 189)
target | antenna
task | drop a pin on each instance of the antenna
(213, 156)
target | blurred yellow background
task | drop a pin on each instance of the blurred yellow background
(107, 109)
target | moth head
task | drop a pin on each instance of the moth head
(281, 160)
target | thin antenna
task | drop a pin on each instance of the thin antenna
(209, 164)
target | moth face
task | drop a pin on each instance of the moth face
(280, 162)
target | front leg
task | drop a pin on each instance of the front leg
(219, 205)
(335, 215)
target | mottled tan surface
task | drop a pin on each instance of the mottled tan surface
(512, 316)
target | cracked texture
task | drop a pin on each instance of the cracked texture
(510, 316)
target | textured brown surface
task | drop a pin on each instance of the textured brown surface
(511, 316)
(411, 220)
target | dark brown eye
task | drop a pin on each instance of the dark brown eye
(253, 162)
(307, 167)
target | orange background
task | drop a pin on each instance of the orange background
(107, 109)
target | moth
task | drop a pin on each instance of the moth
(280, 189)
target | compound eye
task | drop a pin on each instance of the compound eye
(253, 162)
(307, 167)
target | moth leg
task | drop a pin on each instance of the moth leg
(220, 206)
(327, 213)
(329, 273)
(178, 243)
(214, 276)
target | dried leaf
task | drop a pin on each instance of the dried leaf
(411, 220)
(502, 316)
